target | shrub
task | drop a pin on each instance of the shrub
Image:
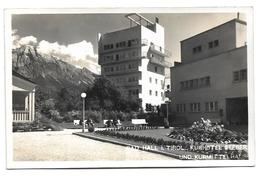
(46, 106)
(72, 115)
(55, 115)
(142, 115)
(96, 116)
(91, 128)
(38, 115)
(121, 116)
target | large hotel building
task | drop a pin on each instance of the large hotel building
(134, 59)
(211, 79)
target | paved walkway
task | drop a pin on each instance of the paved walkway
(63, 146)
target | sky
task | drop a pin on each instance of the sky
(73, 37)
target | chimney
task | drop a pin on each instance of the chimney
(238, 15)
(156, 20)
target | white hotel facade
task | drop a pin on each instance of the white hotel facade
(134, 59)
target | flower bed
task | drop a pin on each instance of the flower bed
(205, 131)
(198, 139)
(132, 128)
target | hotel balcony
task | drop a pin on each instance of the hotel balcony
(160, 51)
(160, 61)
(144, 42)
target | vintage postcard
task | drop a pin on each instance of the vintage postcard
(159, 87)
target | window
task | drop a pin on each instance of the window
(210, 45)
(180, 107)
(190, 83)
(195, 83)
(129, 43)
(106, 69)
(122, 44)
(207, 107)
(186, 86)
(211, 106)
(198, 106)
(156, 93)
(194, 50)
(213, 44)
(155, 69)
(207, 81)
(150, 92)
(240, 75)
(182, 85)
(112, 69)
(236, 76)
(216, 43)
(108, 46)
(150, 80)
(243, 74)
(197, 49)
(156, 81)
(117, 57)
(195, 107)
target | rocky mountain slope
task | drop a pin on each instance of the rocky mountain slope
(53, 76)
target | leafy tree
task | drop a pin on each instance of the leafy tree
(46, 106)
(110, 96)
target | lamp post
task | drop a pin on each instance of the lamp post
(167, 101)
(83, 96)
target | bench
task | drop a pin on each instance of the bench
(76, 122)
(139, 122)
(118, 122)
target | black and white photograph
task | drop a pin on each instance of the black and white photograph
(129, 88)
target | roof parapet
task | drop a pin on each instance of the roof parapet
(140, 20)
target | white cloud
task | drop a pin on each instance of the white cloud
(80, 54)
(29, 40)
(81, 49)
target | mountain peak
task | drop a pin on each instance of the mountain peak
(50, 73)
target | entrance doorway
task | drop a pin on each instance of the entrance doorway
(237, 111)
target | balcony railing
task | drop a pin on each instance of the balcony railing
(160, 61)
(21, 116)
(144, 42)
(160, 50)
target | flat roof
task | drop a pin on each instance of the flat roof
(233, 20)
(124, 29)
